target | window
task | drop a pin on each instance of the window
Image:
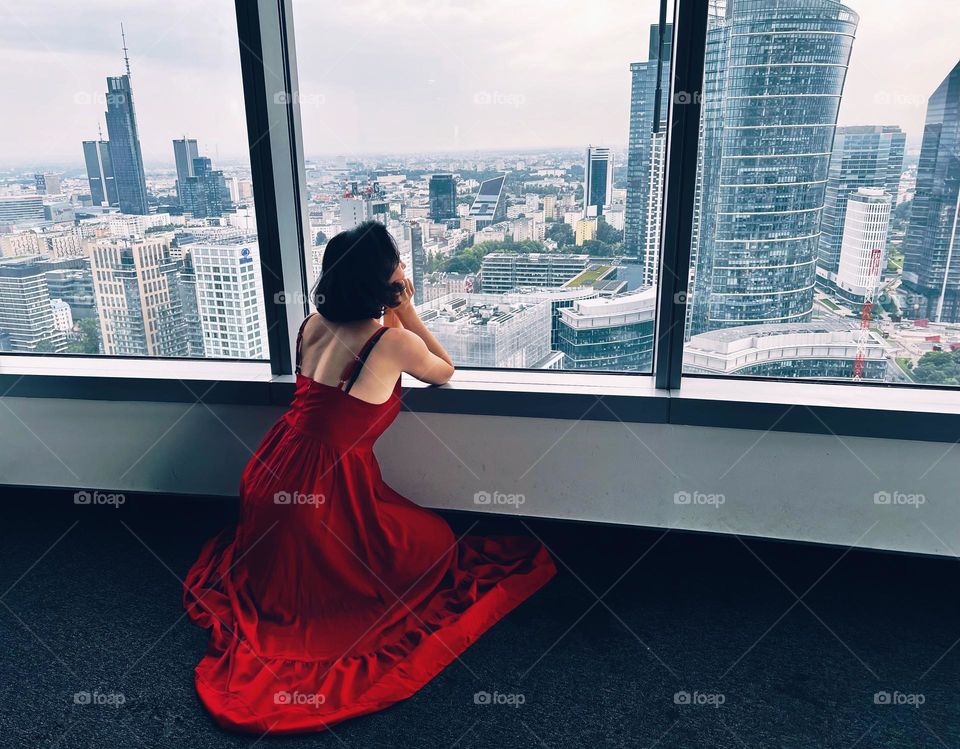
(125, 190)
(825, 240)
(519, 164)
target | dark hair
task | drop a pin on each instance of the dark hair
(354, 281)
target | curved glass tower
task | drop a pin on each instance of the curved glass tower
(775, 71)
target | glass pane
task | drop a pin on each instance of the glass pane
(515, 152)
(126, 209)
(828, 179)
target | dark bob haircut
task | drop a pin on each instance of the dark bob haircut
(354, 281)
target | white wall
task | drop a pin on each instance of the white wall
(794, 486)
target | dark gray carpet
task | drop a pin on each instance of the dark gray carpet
(598, 656)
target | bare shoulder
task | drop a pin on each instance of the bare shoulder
(402, 343)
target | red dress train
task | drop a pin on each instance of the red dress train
(335, 596)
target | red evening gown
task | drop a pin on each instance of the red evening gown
(335, 596)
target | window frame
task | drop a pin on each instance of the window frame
(667, 396)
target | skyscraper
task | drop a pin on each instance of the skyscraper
(26, 315)
(103, 186)
(443, 197)
(489, 206)
(646, 152)
(597, 181)
(204, 193)
(864, 243)
(125, 144)
(47, 183)
(184, 152)
(774, 73)
(138, 298)
(932, 245)
(863, 156)
(418, 258)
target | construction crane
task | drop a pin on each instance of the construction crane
(866, 311)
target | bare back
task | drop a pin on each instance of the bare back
(328, 349)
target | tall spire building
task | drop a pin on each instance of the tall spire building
(125, 154)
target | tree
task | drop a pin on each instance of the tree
(561, 233)
(320, 239)
(606, 233)
(938, 368)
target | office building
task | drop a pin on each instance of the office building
(124, 144)
(649, 105)
(868, 156)
(863, 246)
(489, 207)
(585, 230)
(504, 271)
(22, 210)
(443, 197)
(184, 152)
(774, 73)
(821, 349)
(27, 319)
(204, 193)
(103, 185)
(138, 298)
(931, 266)
(611, 333)
(230, 299)
(47, 183)
(597, 181)
(187, 283)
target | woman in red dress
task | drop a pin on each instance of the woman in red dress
(335, 596)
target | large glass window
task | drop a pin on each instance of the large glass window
(826, 241)
(126, 206)
(515, 151)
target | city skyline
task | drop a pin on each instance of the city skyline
(434, 102)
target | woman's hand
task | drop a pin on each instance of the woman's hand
(406, 310)
(390, 318)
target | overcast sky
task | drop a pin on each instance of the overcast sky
(399, 75)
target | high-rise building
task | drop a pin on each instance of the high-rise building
(549, 207)
(932, 244)
(646, 152)
(614, 333)
(230, 299)
(138, 298)
(184, 152)
(864, 243)
(27, 318)
(503, 271)
(597, 181)
(863, 156)
(443, 197)
(125, 144)
(204, 194)
(418, 259)
(489, 207)
(21, 210)
(47, 183)
(187, 282)
(103, 186)
(774, 73)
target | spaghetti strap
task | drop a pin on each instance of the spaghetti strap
(300, 340)
(352, 371)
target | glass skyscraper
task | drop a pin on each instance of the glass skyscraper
(645, 153)
(443, 197)
(773, 79)
(103, 187)
(125, 146)
(863, 156)
(184, 152)
(597, 181)
(932, 246)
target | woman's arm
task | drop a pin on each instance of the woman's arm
(422, 354)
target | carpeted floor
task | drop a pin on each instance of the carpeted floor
(777, 645)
